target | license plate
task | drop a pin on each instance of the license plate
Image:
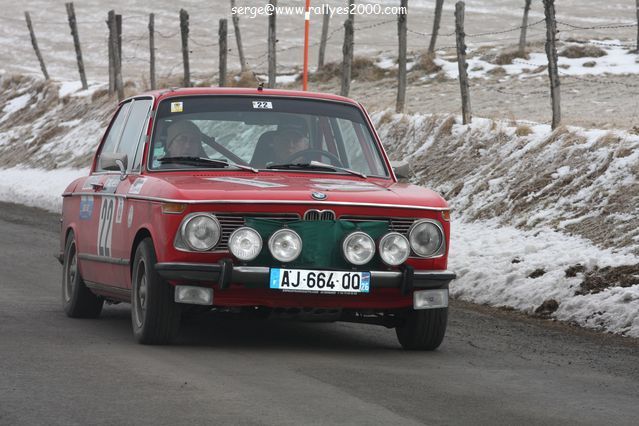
(311, 281)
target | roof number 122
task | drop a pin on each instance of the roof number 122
(262, 105)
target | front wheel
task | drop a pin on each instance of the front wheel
(422, 329)
(77, 300)
(154, 314)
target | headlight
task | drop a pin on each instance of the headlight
(358, 248)
(245, 243)
(285, 245)
(394, 248)
(201, 231)
(426, 238)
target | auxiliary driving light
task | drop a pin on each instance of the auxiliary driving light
(394, 248)
(285, 245)
(358, 248)
(245, 243)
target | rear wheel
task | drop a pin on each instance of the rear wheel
(77, 300)
(154, 314)
(422, 329)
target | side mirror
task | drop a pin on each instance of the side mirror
(401, 169)
(114, 161)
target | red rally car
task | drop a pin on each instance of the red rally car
(270, 201)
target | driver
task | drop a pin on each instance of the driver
(184, 139)
(288, 143)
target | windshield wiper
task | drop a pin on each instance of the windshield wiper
(315, 165)
(204, 161)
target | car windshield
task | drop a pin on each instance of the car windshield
(263, 133)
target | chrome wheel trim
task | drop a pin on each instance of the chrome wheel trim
(141, 294)
(70, 273)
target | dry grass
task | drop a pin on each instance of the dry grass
(589, 64)
(387, 117)
(523, 130)
(582, 51)
(363, 69)
(426, 63)
(506, 57)
(441, 76)
(446, 128)
(497, 72)
(609, 139)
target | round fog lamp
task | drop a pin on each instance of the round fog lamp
(358, 248)
(245, 243)
(394, 248)
(201, 232)
(285, 245)
(426, 238)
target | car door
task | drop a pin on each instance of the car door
(97, 206)
(132, 144)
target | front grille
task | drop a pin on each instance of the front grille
(319, 215)
(395, 224)
(230, 223)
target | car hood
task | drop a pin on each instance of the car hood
(293, 187)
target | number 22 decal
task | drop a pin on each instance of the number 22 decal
(105, 228)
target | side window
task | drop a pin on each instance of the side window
(133, 130)
(113, 134)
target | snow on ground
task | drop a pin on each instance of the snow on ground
(37, 187)
(617, 60)
(494, 266)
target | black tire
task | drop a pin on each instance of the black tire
(77, 300)
(155, 316)
(422, 329)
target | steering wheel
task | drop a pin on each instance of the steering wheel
(307, 154)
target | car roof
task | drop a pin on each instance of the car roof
(198, 91)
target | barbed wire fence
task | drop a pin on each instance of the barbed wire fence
(203, 43)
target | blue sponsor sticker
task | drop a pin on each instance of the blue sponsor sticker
(275, 278)
(86, 207)
(365, 285)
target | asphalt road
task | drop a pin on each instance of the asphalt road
(494, 367)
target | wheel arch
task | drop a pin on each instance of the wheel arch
(139, 237)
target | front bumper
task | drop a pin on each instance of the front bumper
(225, 273)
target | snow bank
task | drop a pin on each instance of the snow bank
(508, 267)
(582, 182)
(37, 187)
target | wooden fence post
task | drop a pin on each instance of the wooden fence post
(76, 41)
(117, 64)
(324, 39)
(461, 61)
(110, 18)
(34, 43)
(152, 50)
(272, 40)
(238, 38)
(347, 57)
(524, 25)
(438, 17)
(551, 53)
(184, 31)
(637, 25)
(401, 62)
(223, 50)
(118, 33)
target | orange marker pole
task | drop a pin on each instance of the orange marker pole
(307, 27)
